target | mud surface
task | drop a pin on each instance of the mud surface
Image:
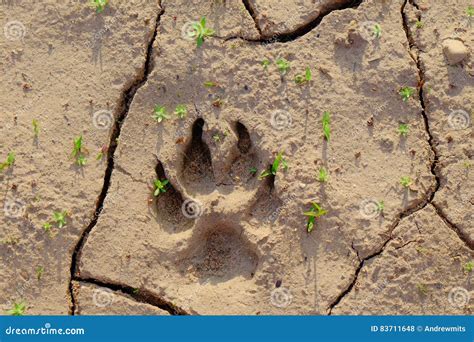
(220, 240)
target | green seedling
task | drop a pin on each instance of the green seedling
(323, 175)
(81, 161)
(35, 127)
(18, 309)
(60, 218)
(216, 137)
(279, 160)
(467, 165)
(99, 5)
(422, 288)
(403, 129)
(419, 24)
(39, 272)
(102, 152)
(315, 212)
(283, 65)
(470, 11)
(8, 162)
(253, 170)
(47, 227)
(181, 111)
(406, 93)
(78, 151)
(326, 125)
(266, 63)
(377, 31)
(201, 32)
(210, 84)
(405, 181)
(300, 79)
(380, 206)
(159, 113)
(160, 186)
(469, 266)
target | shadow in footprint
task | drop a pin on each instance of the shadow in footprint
(197, 173)
(267, 205)
(246, 158)
(169, 206)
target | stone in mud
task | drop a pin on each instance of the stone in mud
(454, 50)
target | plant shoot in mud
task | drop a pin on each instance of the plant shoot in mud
(315, 212)
(300, 79)
(323, 175)
(8, 162)
(99, 5)
(279, 160)
(377, 31)
(326, 125)
(60, 218)
(403, 129)
(181, 111)
(469, 266)
(265, 63)
(201, 32)
(35, 127)
(159, 113)
(405, 181)
(18, 309)
(406, 93)
(78, 151)
(39, 272)
(160, 186)
(283, 65)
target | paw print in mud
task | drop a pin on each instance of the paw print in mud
(219, 194)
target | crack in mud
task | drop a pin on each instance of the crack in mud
(296, 33)
(126, 100)
(434, 162)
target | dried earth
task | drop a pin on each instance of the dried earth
(220, 240)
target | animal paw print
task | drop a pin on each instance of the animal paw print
(219, 194)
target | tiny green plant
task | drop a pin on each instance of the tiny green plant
(422, 288)
(467, 164)
(380, 206)
(314, 212)
(47, 227)
(323, 175)
(405, 181)
(210, 84)
(39, 272)
(377, 31)
(18, 309)
(272, 171)
(181, 111)
(99, 5)
(469, 267)
(300, 79)
(216, 137)
(406, 93)
(8, 162)
(253, 170)
(419, 24)
(265, 63)
(403, 129)
(160, 186)
(470, 11)
(59, 218)
(283, 65)
(201, 32)
(35, 127)
(78, 151)
(326, 125)
(159, 113)
(102, 152)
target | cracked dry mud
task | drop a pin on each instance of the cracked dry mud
(243, 248)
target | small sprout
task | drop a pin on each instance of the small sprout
(39, 272)
(60, 218)
(403, 129)
(405, 181)
(419, 24)
(470, 11)
(323, 175)
(421, 250)
(18, 309)
(136, 291)
(159, 113)
(102, 152)
(265, 63)
(326, 126)
(35, 127)
(210, 84)
(81, 161)
(253, 170)
(275, 166)
(181, 111)
(47, 226)
(160, 186)
(469, 266)
(315, 212)
(99, 5)
(380, 206)
(216, 137)
(201, 31)
(422, 288)
(78, 151)
(377, 31)
(8, 162)
(300, 79)
(406, 93)
(467, 165)
(283, 65)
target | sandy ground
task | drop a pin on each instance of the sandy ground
(220, 240)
